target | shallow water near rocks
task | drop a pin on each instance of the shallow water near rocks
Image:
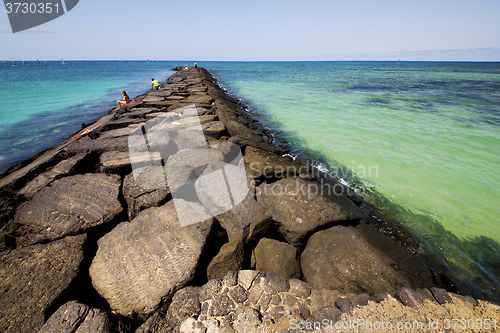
(421, 140)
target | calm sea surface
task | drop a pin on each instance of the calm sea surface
(420, 140)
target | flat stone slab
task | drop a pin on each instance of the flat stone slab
(98, 145)
(32, 278)
(141, 112)
(119, 132)
(299, 207)
(120, 162)
(141, 262)
(153, 99)
(70, 205)
(63, 168)
(176, 97)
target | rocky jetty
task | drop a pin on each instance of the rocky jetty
(179, 213)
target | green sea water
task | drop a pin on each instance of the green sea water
(420, 140)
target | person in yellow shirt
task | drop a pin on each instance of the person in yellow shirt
(154, 84)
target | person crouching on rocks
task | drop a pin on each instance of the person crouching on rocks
(154, 84)
(125, 101)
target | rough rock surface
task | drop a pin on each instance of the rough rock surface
(248, 220)
(299, 207)
(144, 188)
(79, 318)
(230, 258)
(260, 163)
(31, 278)
(63, 168)
(71, 205)
(146, 260)
(275, 256)
(340, 258)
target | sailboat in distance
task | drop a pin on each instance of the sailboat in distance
(13, 63)
(63, 62)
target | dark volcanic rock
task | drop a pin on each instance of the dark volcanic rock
(157, 323)
(66, 319)
(275, 256)
(299, 207)
(98, 145)
(71, 205)
(31, 278)
(185, 303)
(146, 260)
(340, 258)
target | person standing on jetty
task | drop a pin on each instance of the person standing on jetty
(125, 101)
(154, 84)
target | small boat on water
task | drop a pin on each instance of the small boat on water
(13, 63)
(63, 62)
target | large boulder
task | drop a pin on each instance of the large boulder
(299, 207)
(142, 262)
(144, 188)
(63, 168)
(70, 206)
(275, 256)
(248, 220)
(32, 278)
(340, 258)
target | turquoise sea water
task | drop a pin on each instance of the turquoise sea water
(42, 103)
(420, 140)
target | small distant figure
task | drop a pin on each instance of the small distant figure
(195, 65)
(154, 84)
(125, 101)
(185, 66)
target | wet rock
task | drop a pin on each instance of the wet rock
(230, 258)
(275, 256)
(254, 141)
(299, 207)
(407, 263)
(340, 258)
(146, 260)
(263, 163)
(32, 278)
(71, 205)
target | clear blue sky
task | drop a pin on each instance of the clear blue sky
(263, 30)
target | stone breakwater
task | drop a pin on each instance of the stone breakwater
(94, 235)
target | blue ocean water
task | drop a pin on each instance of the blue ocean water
(44, 102)
(420, 140)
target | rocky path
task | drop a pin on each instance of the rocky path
(179, 213)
